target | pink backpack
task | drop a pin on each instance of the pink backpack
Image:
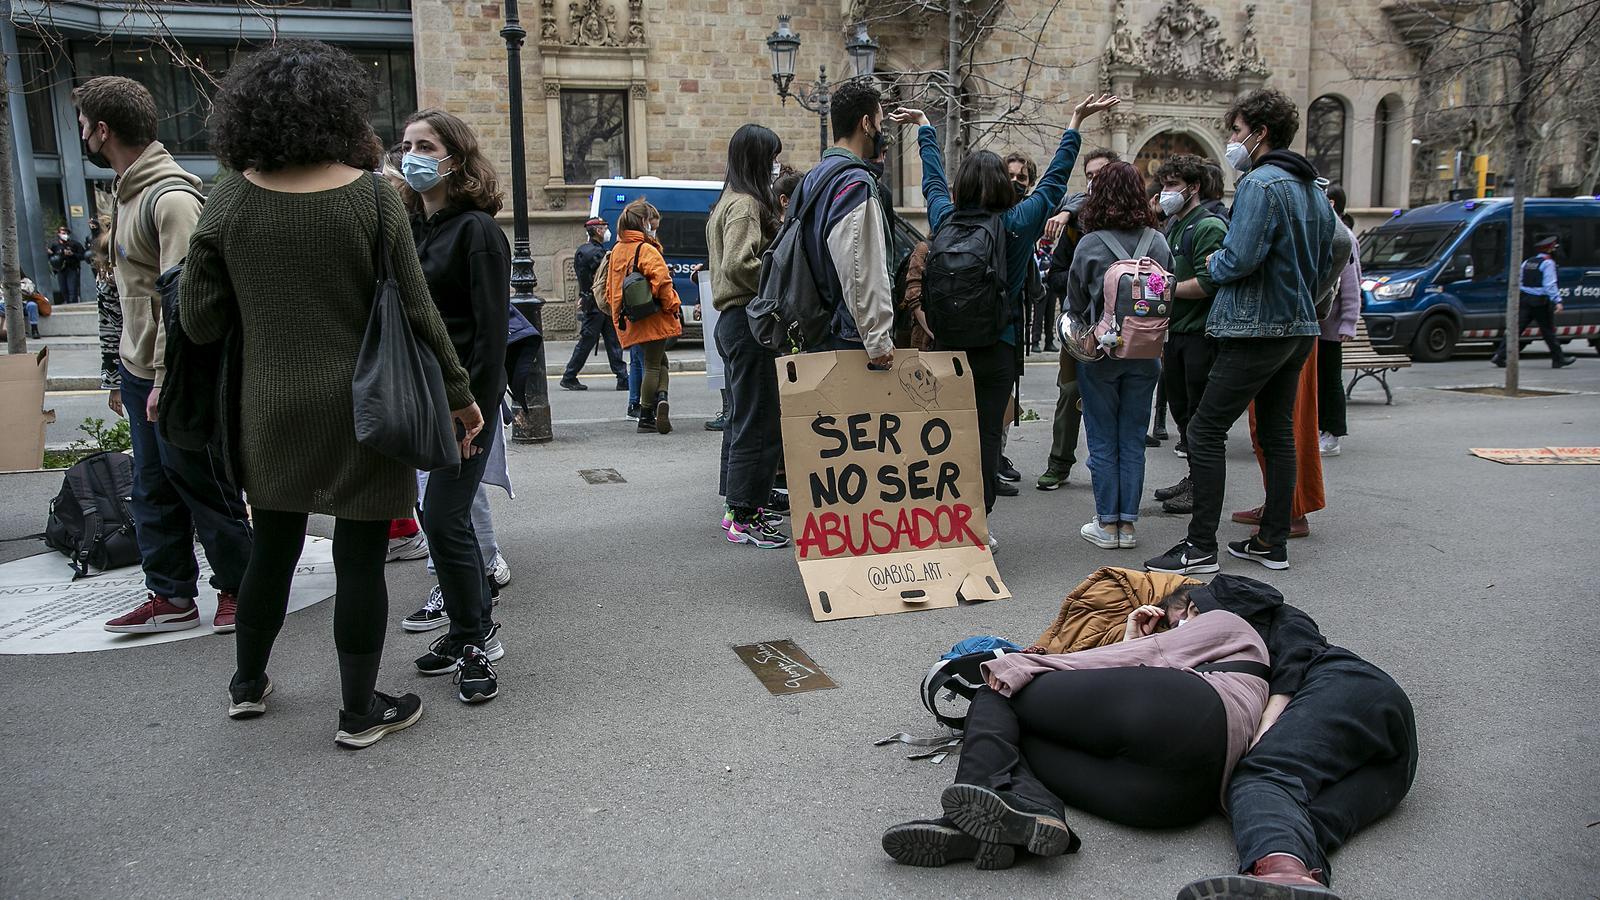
(1137, 301)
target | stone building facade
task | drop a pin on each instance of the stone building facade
(646, 88)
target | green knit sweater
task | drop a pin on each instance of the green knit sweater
(296, 271)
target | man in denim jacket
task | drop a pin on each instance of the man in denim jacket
(1278, 249)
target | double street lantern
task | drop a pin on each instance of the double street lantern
(784, 46)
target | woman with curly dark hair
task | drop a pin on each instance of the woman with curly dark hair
(453, 195)
(287, 248)
(1118, 224)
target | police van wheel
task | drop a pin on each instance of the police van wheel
(1435, 340)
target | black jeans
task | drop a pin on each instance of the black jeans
(1342, 756)
(1538, 311)
(69, 283)
(1266, 370)
(994, 377)
(595, 327)
(752, 440)
(1141, 746)
(1185, 365)
(1330, 388)
(457, 559)
(1043, 324)
(361, 604)
(177, 495)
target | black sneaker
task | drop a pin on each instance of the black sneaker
(1181, 505)
(717, 424)
(248, 699)
(1003, 488)
(633, 410)
(1561, 363)
(622, 382)
(1007, 471)
(1167, 493)
(663, 417)
(937, 842)
(1276, 558)
(1184, 559)
(1151, 440)
(476, 677)
(573, 384)
(989, 817)
(388, 715)
(1181, 448)
(1159, 433)
(430, 616)
(442, 658)
(777, 502)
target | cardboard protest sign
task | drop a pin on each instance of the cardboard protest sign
(1539, 456)
(885, 483)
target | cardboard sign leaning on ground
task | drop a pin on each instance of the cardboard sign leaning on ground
(885, 483)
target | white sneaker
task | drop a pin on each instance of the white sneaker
(1095, 534)
(1328, 444)
(499, 572)
(1127, 538)
(994, 542)
(414, 547)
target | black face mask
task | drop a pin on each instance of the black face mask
(879, 143)
(95, 157)
(1020, 188)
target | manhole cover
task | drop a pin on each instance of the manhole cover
(602, 476)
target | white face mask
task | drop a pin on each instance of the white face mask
(1171, 202)
(1239, 155)
(650, 230)
(605, 237)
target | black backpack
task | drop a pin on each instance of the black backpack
(791, 311)
(952, 683)
(964, 286)
(91, 520)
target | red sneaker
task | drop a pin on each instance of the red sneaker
(227, 604)
(155, 614)
(1248, 516)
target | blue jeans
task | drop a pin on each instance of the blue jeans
(177, 495)
(635, 373)
(30, 311)
(69, 283)
(1116, 411)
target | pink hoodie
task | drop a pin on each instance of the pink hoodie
(1215, 636)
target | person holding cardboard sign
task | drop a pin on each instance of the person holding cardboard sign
(991, 235)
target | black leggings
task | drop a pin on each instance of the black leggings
(361, 604)
(1142, 746)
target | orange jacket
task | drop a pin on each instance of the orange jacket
(653, 266)
(1096, 613)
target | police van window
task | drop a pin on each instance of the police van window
(1565, 231)
(1404, 246)
(683, 234)
(1488, 249)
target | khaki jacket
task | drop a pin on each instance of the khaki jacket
(140, 256)
(1095, 614)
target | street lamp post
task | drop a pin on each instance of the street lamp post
(531, 422)
(784, 45)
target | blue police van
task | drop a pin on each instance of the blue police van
(685, 208)
(1435, 276)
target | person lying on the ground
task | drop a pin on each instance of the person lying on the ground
(1336, 750)
(1144, 733)
(1095, 613)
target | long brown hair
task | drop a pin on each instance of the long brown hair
(1117, 200)
(472, 184)
(636, 215)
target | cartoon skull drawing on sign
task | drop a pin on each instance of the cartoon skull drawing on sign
(920, 383)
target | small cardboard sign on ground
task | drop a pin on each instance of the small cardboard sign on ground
(1540, 456)
(784, 668)
(885, 483)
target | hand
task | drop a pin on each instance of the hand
(1091, 105)
(1558, 306)
(922, 320)
(150, 405)
(905, 115)
(1142, 622)
(885, 361)
(115, 402)
(470, 419)
(1054, 225)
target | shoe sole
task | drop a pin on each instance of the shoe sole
(1329, 453)
(250, 708)
(419, 627)
(1009, 480)
(1196, 569)
(663, 421)
(982, 814)
(1241, 887)
(1127, 543)
(1181, 454)
(1053, 487)
(930, 846)
(376, 733)
(1098, 542)
(575, 386)
(407, 556)
(478, 698)
(155, 628)
(754, 542)
(1272, 564)
(223, 629)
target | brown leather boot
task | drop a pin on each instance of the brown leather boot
(1275, 877)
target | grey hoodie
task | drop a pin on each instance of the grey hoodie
(140, 258)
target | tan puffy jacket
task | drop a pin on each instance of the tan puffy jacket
(1095, 614)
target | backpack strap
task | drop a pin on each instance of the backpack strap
(380, 264)
(1112, 243)
(1145, 240)
(153, 194)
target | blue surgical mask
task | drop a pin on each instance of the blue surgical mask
(421, 172)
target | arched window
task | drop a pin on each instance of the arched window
(1387, 162)
(1325, 131)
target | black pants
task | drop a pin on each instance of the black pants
(1330, 388)
(457, 560)
(361, 601)
(1185, 366)
(69, 284)
(1538, 311)
(1342, 756)
(1142, 746)
(178, 495)
(1266, 370)
(1044, 321)
(994, 377)
(595, 327)
(752, 440)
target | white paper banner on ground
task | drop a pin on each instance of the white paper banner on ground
(42, 610)
(715, 379)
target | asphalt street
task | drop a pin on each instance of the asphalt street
(631, 754)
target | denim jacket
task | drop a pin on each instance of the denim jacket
(1267, 271)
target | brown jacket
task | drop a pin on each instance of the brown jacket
(1095, 614)
(911, 300)
(659, 326)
